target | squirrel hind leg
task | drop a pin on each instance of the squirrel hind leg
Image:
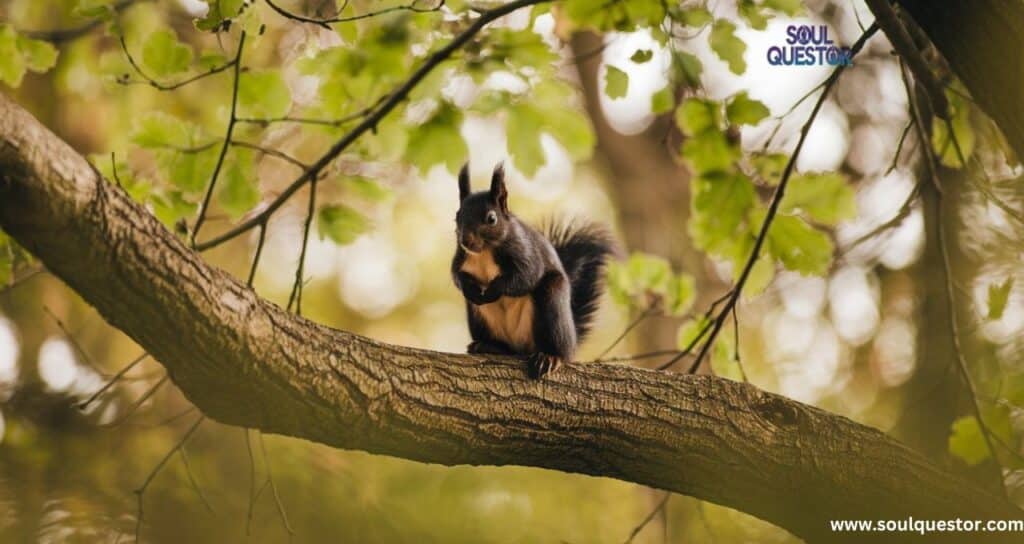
(488, 347)
(554, 334)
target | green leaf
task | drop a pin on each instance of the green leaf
(191, 172)
(164, 55)
(341, 224)
(824, 197)
(172, 206)
(648, 273)
(752, 13)
(967, 442)
(620, 16)
(662, 101)
(263, 94)
(616, 82)
(945, 144)
(696, 16)
(743, 110)
(710, 151)
(619, 285)
(998, 294)
(769, 166)
(94, 9)
(727, 46)
(689, 67)
(12, 63)
(220, 11)
(161, 130)
(6, 260)
(720, 204)
(689, 332)
(724, 363)
(438, 141)
(368, 189)
(697, 115)
(39, 56)
(789, 7)
(523, 130)
(797, 245)
(641, 56)
(680, 293)
(570, 126)
(238, 190)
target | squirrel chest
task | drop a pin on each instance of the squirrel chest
(510, 319)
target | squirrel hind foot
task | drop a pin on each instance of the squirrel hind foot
(540, 364)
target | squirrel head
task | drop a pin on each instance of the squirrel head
(483, 220)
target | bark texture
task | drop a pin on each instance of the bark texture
(245, 361)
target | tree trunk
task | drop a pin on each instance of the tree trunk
(245, 361)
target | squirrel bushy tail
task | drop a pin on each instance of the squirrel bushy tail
(584, 249)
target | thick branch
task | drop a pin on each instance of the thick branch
(983, 41)
(245, 361)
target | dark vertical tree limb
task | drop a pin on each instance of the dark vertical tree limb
(983, 42)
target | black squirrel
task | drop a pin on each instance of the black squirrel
(527, 292)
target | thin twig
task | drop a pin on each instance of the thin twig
(736, 344)
(272, 153)
(135, 405)
(204, 207)
(152, 474)
(259, 252)
(273, 488)
(74, 342)
(114, 379)
(899, 147)
(639, 319)
(192, 480)
(165, 86)
(896, 220)
(370, 122)
(252, 483)
(643, 523)
(693, 343)
(296, 295)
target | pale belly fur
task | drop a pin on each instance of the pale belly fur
(510, 319)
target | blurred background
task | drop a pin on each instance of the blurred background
(868, 339)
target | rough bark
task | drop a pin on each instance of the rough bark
(245, 361)
(983, 41)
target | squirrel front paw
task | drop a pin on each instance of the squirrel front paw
(540, 364)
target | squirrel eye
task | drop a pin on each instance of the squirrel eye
(492, 217)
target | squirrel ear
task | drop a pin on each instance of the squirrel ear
(499, 194)
(464, 182)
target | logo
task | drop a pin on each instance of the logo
(808, 45)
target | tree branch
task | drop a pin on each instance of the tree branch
(244, 361)
(370, 121)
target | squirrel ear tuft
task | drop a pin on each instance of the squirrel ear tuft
(464, 182)
(499, 194)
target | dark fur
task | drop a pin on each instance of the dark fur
(563, 272)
